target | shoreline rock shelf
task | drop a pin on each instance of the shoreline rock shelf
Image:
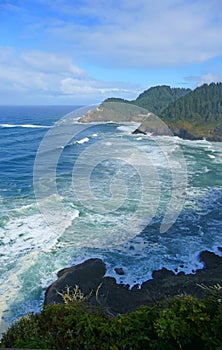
(118, 298)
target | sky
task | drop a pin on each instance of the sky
(82, 51)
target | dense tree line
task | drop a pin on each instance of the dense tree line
(189, 114)
(204, 104)
(157, 98)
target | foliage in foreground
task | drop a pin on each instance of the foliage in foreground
(178, 323)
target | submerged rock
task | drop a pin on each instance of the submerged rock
(119, 271)
(117, 298)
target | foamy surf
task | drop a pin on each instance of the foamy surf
(22, 240)
(84, 234)
(128, 128)
(24, 126)
(84, 140)
(211, 156)
(10, 287)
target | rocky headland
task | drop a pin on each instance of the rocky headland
(119, 298)
(162, 110)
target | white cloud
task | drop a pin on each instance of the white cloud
(204, 79)
(89, 87)
(50, 63)
(143, 33)
(40, 74)
(209, 78)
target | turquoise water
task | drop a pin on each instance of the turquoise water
(32, 250)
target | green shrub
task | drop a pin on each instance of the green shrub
(179, 323)
(183, 323)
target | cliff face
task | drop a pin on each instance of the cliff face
(184, 129)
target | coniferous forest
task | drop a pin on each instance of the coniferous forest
(191, 114)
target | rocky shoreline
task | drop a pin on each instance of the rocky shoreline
(179, 132)
(119, 298)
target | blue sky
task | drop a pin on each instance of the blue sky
(82, 51)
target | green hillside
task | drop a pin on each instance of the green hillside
(153, 100)
(189, 114)
(198, 114)
(157, 98)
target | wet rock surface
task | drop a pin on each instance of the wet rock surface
(118, 298)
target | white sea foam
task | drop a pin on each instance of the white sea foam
(139, 258)
(23, 238)
(29, 240)
(206, 169)
(139, 138)
(196, 143)
(25, 234)
(10, 287)
(211, 156)
(217, 150)
(85, 139)
(24, 126)
(30, 231)
(128, 127)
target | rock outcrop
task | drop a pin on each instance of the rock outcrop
(118, 298)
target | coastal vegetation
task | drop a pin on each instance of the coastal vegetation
(191, 115)
(155, 99)
(182, 322)
(199, 113)
(188, 114)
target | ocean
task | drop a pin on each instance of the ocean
(69, 192)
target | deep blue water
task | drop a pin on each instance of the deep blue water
(39, 236)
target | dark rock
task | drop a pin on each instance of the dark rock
(210, 259)
(87, 276)
(127, 286)
(118, 298)
(181, 273)
(162, 274)
(220, 249)
(186, 135)
(119, 271)
(136, 286)
(138, 131)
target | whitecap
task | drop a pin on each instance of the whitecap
(80, 142)
(206, 169)
(24, 126)
(128, 127)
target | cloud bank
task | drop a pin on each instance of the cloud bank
(80, 51)
(37, 74)
(142, 33)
